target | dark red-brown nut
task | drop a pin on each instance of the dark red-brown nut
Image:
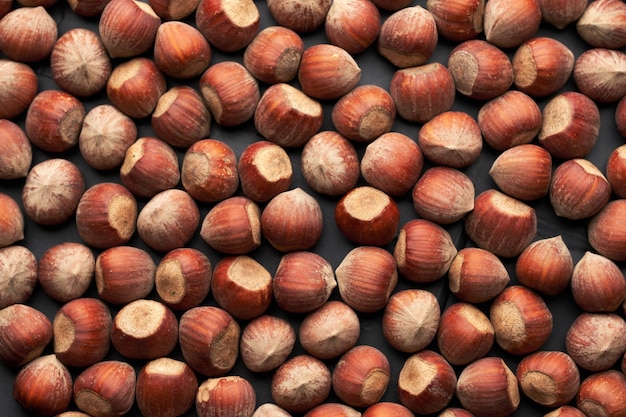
(16, 160)
(181, 117)
(602, 392)
(458, 20)
(265, 170)
(27, 34)
(480, 70)
(408, 37)
(266, 343)
(228, 25)
(616, 170)
(477, 275)
(508, 23)
(606, 231)
(521, 319)
(24, 334)
(242, 287)
(501, 224)
(300, 384)
(302, 16)
(424, 251)
(571, 125)
(560, 13)
(106, 215)
(353, 25)
(273, 56)
(598, 284)
(233, 226)
(128, 27)
(170, 9)
(183, 278)
(523, 171)
(106, 389)
(124, 274)
(82, 332)
(412, 91)
(209, 340)
(209, 171)
(327, 72)
(367, 216)
(387, 408)
(545, 265)
(53, 121)
(87, 8)
(19, 87)
(366, 277)
(292, 221)
(598, 73)
(601, 24)
(303, 282)
(225, 395)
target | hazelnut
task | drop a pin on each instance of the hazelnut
(426, 383)
(571, 125)
(477, 275)
(273, 56)
(542, 66)
(165, 388)
(408, 37)
(546, 265)
(387, 408)
(128, 27)
(11, 222)
(66, 271)
(292, 220)
(424, 251)
(265, 171)
(523, 171)
(361, 376)
(560, 13)
(601, 24)
(465, 334)
(287, 117)
(501, 224)
(18, 274)
(233, 226)
(366, 277)
(87, 8)
(329, 331)
(443, 195)
(303, 282)
(565, 411)
(327, 72)
(181, 118)
(24, 334)
(452, 138)
(365, 113)
(106, 215)
(601, 393)
(330, 163)
(144, 329)
(509, 120)
(136, 85)
(302, 16)
(488, 387)
(521, 320)
(105, 136)
(27, 34)
(410, 320)
(598, 74)
(367, 216)
(18, 87)
(52, 191)
(508, 23)
(242, 286)
(174, 9)
(598, 284)
(16, 160)
(392, 163)
(229, 25)
(412, 90)
(616, 171)
(169, 220)
(550, 378)
(43, 387)
(82, 331)
(150, 166)
(231, 92)
(209, 340)
(225, 395)
(270, 410)
(334, 409)
(596, 341)
(191, 55)
(106, 389)
(53, 121)
(80, 63)
(481, 70)
(124, 274)
(578, 189)
(353, 25)
(300, 384)
(606, 232)
(183, 278)
(209, 171)
(459, 20)
(266, 343)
